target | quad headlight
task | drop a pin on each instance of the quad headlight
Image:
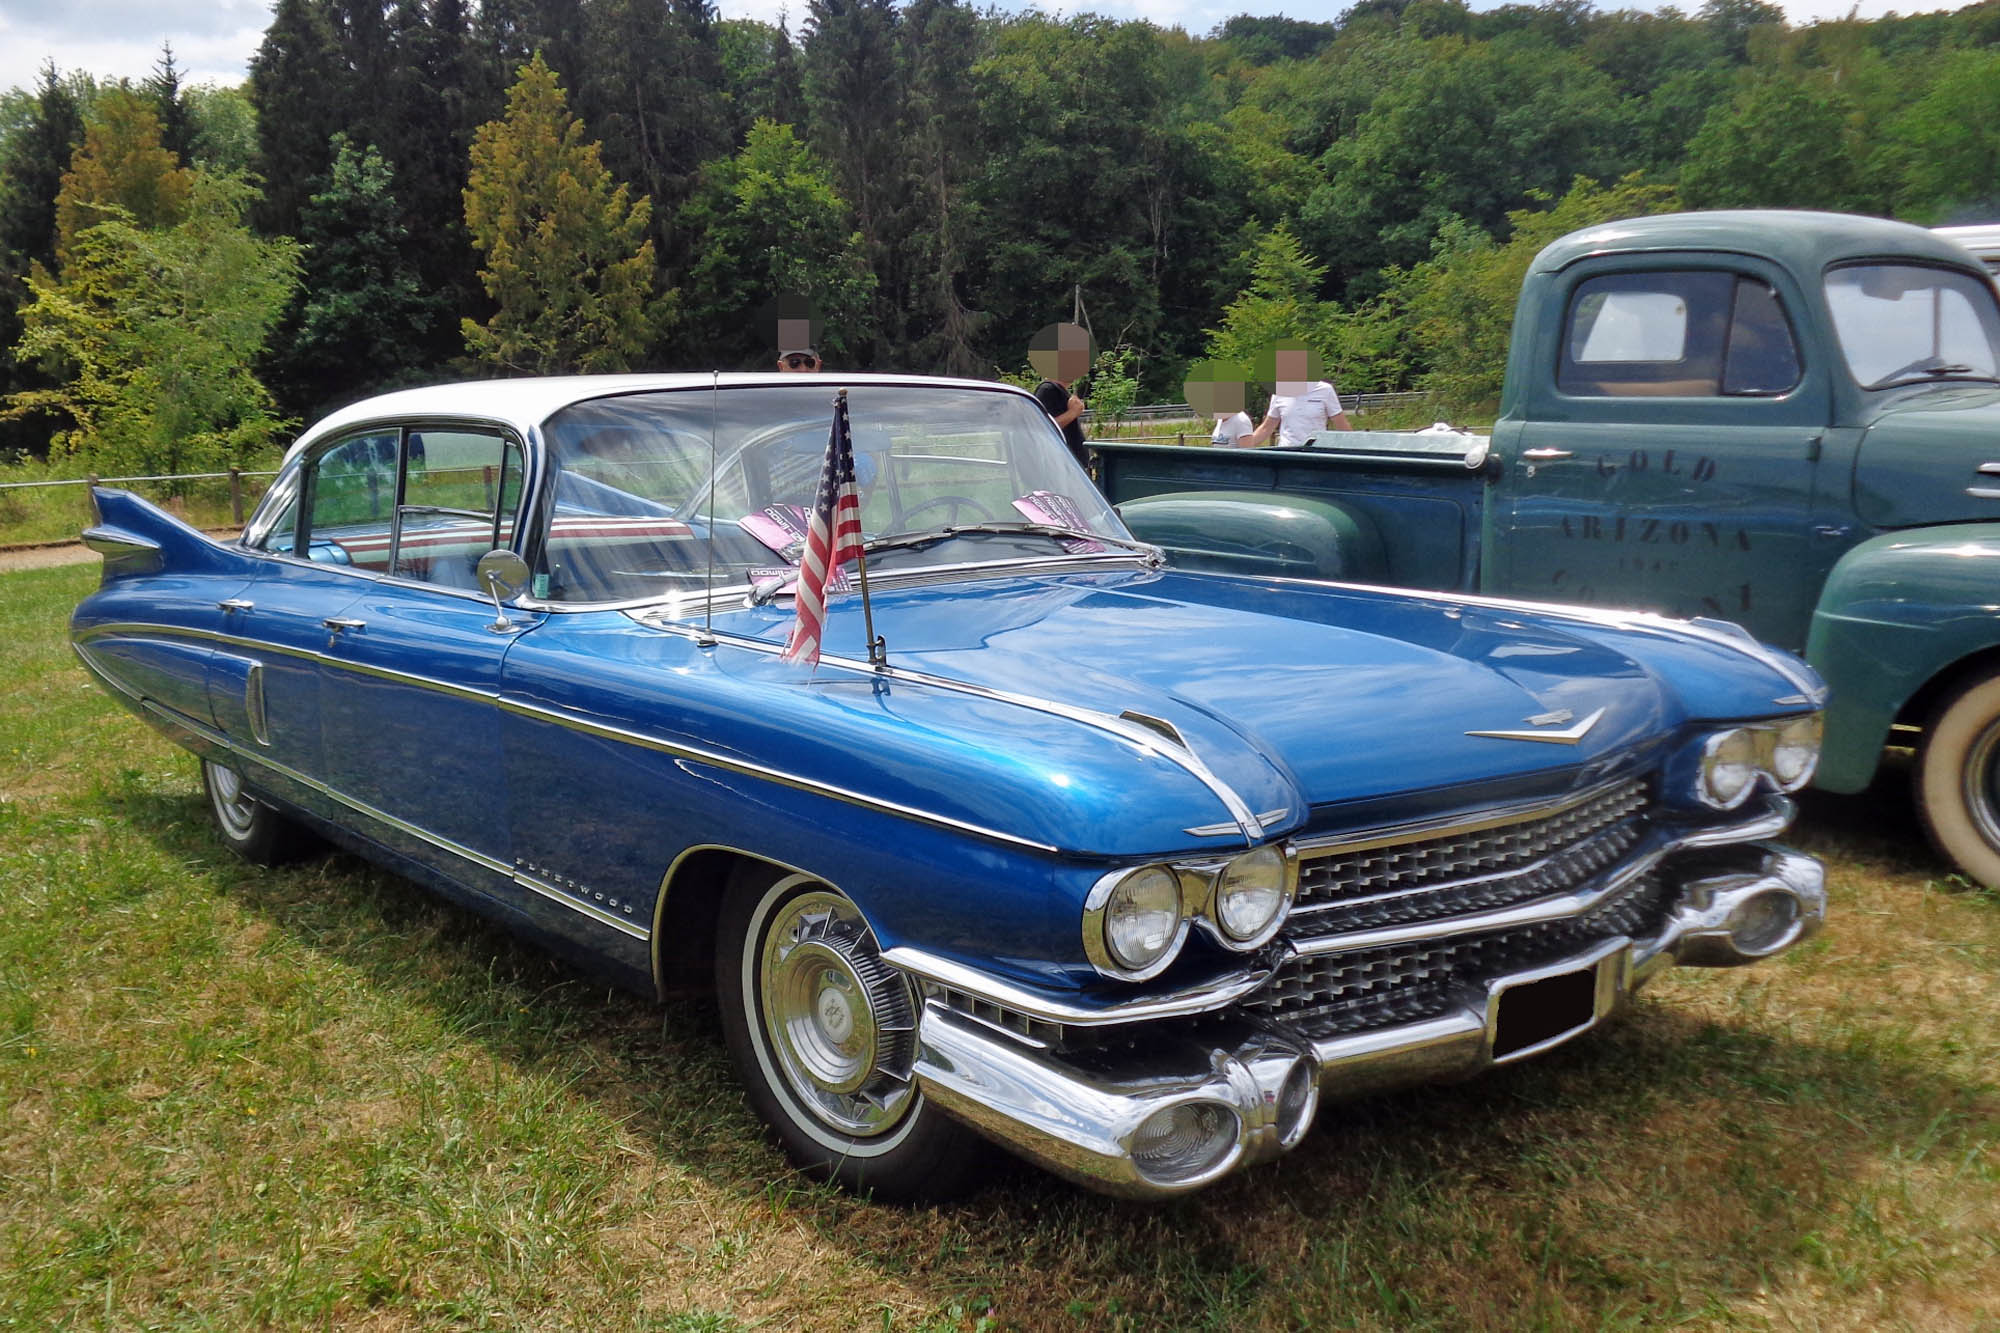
(1731, 761)
(1250, 895)
(1135, 921)
(1133, 924)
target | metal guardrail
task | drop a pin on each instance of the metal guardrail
(1359, 404)
(234, 476)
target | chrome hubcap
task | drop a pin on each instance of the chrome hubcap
(839, 1021)
(234, 809)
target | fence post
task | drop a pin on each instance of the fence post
(1180, 437)
(487, 476)
(236, 493)
(89, 499)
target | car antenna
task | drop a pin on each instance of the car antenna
(707, 639)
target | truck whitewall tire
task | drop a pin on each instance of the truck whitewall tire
(1958, 780)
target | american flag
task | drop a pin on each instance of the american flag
(833, 539)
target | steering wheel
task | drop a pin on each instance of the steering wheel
(955, 503)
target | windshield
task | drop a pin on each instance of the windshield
(1906, 323)
(946, 476)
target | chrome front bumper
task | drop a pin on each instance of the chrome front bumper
(1244, 1093)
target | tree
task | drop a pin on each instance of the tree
(771, 225)
(170, 104)
(364, 319)
(155, 331)
(1457, 307)
(567, 261)
(299, 84)
(122, 166)
(1278, 306)
(1781, 143)
(36, 153)
(1946, 147)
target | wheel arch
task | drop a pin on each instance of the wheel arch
(689, 908)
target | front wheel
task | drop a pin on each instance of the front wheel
(1958, 780)
(824, 1035)
(253, 830)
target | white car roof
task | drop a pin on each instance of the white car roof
(1983, 240)
(525, 403)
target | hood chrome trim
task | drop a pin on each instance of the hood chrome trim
(1567, 736)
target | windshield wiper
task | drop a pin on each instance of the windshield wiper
(1949, 370)
(904, 541)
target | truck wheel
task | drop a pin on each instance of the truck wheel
(253, 830)
(824, 1035)
(1958, 780)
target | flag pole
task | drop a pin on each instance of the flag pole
(878, 651)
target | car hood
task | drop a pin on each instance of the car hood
(1921, 457)
(1133, 713)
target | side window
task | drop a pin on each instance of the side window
(423, 505)
(461, 492)
(1763, 360)
(352, 502)
(1682, 334)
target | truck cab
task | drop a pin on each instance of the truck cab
(1788, 420)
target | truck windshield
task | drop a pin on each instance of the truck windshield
(1905, 323)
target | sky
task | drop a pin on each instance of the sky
(213, 40)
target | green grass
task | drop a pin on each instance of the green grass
(313, 1098)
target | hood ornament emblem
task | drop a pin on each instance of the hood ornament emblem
(1568, 736)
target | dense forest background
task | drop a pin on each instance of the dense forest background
(408, 190)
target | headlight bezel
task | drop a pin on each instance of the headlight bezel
(1199, 884)
(1097, 913)
(1759, 745)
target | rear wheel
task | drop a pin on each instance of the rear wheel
(824, 1035)
(253, 830)
(1958, 780)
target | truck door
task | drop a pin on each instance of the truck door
(1667, 446)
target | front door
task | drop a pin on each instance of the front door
(1670, 449)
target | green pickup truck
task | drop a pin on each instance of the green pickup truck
(1786, 420)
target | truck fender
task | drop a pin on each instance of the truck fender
(1907, 631)
(1237, 533)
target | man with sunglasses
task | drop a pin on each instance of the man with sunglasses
(799, 361)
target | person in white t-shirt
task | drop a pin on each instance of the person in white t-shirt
(1303, 407)
(1216, 388)
(1231, 430)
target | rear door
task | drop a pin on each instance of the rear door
(1671, 446)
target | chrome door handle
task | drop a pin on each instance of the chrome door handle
(1983, 492)
(342, 622)
(1545, 455)
(1989, 469)
(235, 604)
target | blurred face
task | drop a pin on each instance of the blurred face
(1294, 371)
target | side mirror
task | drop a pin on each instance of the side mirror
(502, 574)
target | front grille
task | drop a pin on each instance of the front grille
(1452, 873)
(1350, 992)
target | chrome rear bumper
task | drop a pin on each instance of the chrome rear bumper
(1187, 1112)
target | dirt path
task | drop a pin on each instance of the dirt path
(45, 557)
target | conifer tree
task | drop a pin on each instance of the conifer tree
(31, 169)
(170, 104)
(567, 261)
(300, 86)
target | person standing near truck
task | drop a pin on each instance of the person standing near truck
(1060, 353)
(1303, 406)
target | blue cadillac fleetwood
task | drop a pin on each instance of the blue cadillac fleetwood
(1121, 868)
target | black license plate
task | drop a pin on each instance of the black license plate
(1538, 1011)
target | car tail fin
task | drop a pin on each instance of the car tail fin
(137, 537)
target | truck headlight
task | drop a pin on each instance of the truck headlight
(1795, 748)
(1133, 924)
(1728, 768)
(1251, 895)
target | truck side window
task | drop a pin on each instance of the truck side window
(1676, 334)
(1763, 361)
